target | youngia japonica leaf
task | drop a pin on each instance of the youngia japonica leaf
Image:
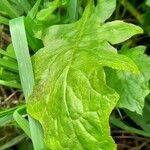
(70, 97)
(132, 88)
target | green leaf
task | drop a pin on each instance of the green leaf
(132, 88)
(6, 7)
(70, 97)
(12, 84)
(118, 31)
(120, 124)
(73, 10)
(25, 5)
(2, 52)
(13, 142)
(9, 64)
(31, 25)
(105, 9)
(32, 13)
(4, 20)
(142, 120)
(9, 111)
(148, 2)
(22, 122)
(5, 120)
(45, 13)
(18, 34)
(6, 116)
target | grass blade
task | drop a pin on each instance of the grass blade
(4, 20)
(73, 10)
(22, 53)
(25, 5)
(6, 7)
(20, 44)
(13, 142)
(23, 123)
(34, 43)
(118, 123)
(10, 65)
(5, 120)
(9, 111)
(34, 10)
(6, 54)
(12, 84)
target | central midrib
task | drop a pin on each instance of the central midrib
(82, 22)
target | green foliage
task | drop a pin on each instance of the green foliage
(105, 9)
(127, 84)
(45, 13)
(13, 142)
(142, 120)
(17, 30)
(148, 2)
(80, 73)
(70, 87)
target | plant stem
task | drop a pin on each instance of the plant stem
(132, 10)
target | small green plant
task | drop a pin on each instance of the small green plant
(75, 75)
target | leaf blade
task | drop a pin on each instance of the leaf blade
(17, 30)
(105, 9)
(127, 84)
(70, 87)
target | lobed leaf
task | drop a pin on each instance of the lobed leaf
(70, 98)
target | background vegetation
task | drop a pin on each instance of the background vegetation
(130, 130)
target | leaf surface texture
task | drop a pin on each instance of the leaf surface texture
(70, 97)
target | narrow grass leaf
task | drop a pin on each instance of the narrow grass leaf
(10, 65)
(25, 5)
(4, 20)
(11, 84)
(44, 14)
(8, 8)
(20, 44)
(22, 53)
(73, 10)
(118, 123)
(13, 142)
(5, 120)
(6, 54)
(22, 122)
(34, 10)
(34, 43)
(9, 111)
